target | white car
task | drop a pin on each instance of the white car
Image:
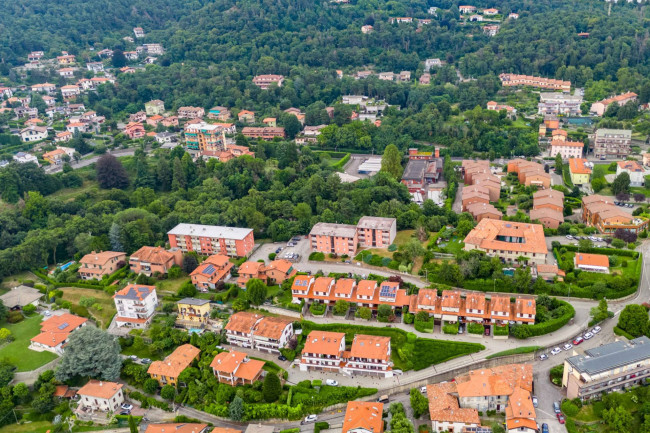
(588, 335)
(568, 346)
(569, 237)
(126, 406)
(543, 357)
(331, 382)
(556, 351)
(310, 418)
(423, 389)
(596, 330)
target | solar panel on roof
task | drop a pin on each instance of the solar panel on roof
(209, 270)
(63, 325)
(387, 291)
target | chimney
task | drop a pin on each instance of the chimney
(437, 153)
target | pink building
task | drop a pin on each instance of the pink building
(334, 238)
(376, 232)
(149, 260)
(566, 149)
(204, 239)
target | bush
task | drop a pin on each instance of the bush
(317, 256)
(29, 309)
(475, 328)
(525, 331)
(450, 328)
(317, 309)
(569, 408)
(363, 313)
(79, 310)
(556, 374)
(272, 256)
(501, 330)
(15, 317)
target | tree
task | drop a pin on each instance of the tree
(621, 184)
(256, 291)
(558, 164)
(597, 184)
(22, 393)
(236, 409)
(585, 244)
(634, 320)
(190, 263)
(150, 386)
(291, 124)
(133, 425)
(4, 311)
(391, 161)
(364, 313)
(419, 403)
(90, 352)
(119, 59)
(618, 419)
(618, 243)
(272, 388)
(187, 290)
(168, 392)
(111, 173)
(384, 311)
(341, 307)
(600, 312)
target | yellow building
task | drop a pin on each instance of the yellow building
(193, 312)
(579, 171)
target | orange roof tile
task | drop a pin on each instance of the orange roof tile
(57, 329)
(176, 362)
(242, 322)
(366, 288)
(443, 406)
(250, 268)
(100, 389)
(100, 258)
(153, 255)
(450, 299)
(370, 346)
(475, 301)
(238, 364)
(591, 260)
(272, 327)
(427, 297)
(280, 265)
(344, 286)
(178, 428)
(500, 380)
(324, 343)
(363, 415)
(500, 303)
(577, 166)
(323, 284)
(491, 234)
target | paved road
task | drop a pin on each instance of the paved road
(89, 161)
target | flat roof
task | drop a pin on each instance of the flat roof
(610, 356)
(184, 229)
(624, 132)
(415, 170)
(330, 229)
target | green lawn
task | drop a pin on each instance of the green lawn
(17, 351)
(454, 246)
(106, 311)
(170, 285)
(32, 427)
(518, 350)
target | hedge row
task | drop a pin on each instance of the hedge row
(622, 333)
(341, 163)
(604, 251)
(526, 331)
(475, 328)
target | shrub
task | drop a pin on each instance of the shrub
(29, 309)
(79, 310)
(450, 328)
(272, 256)
(475, 328)
(317, 256)
(363, 313)
(15, 317)
(556, 374)
(501, 330)
(569, 408)
(317, 309)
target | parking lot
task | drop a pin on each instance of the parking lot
(294, 250)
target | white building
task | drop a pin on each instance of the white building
(566, 149)
(33, 133)
(553, 103)
(323, 351)
(634, 170)
(24, 158)
(264, 333)
(136, 305)
(55, 333)
(102, 396)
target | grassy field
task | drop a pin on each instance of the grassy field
(70, 193)
(171, 286)
(454, 246)
(103, 316)
(17, 351)
(518, 350)
(17, 279)
(31, 427)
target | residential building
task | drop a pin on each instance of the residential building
(425, 78)
(530, 173)
(95, 67)
(168, 370)
(99, 395)
(280, 270)
(432, 63)
(165, 137)
(211, 271)
(191, 113)
(270, 121)
(566, 149)
(555, 104)
(369, 355)
(607, 368)
(508, 240)
(249, 270)
(334, 238)
(386, 76)
(55, 332)
(366, 29)
(76, 127)
(363, 417)
(472, 195)
(548, 272)
(57, 156)
(24, 158)
(33, 133)
(206, 239)
(204, 136)
(193, 312)
(65, 59)
(35, 56)
(376, 232)
(404, 76)
(480, 211)
(181, 428)
(634, 170)
(136, 305)
(401, 20)
(154, 260)
(155, 107)
(599, 108)
(47, 88)
(611, 143)
(493, 106)
(154, 120)
(153, 49)
(549, 198)
(138, 32)
(96, 265)
(579, 170)
(138, 117)
(591, 262)
(420, 173)
(70, 91)
(270, 334)
(169, 121)
(19, 297)
(491, 30)
(219, 113)
(513, 16)
(445, 411)
(265, 133)
(466, 10)
(246, 116)
(323, 351)
(490, 12)
(134, 130)
(236, 368)
(527, 80)
(265, 81)
(600, 212)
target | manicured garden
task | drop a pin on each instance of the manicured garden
(17, 352)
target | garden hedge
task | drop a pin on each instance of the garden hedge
(526, 331)
(475, 328)
(341, 163)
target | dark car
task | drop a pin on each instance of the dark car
(282, 358)
(544, 428)
(125, 412)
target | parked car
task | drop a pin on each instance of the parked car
(588, 335)
(568, 346)
(331, 382)
(569, 237)
(545, 428)
(278, 250)
(133, 358)
(383, 399)
(578, 340)
(535, 402)
(543, 357)
(126, 406)
(560, 418)
(125, 412)
(282, 358)
(309, 418)
(596, 330)
(556, 407)
(145, 361)
(556, 351)
(423, 389)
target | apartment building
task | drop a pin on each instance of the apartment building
(556, 104)
(601, 212)
(136, 305)
(265, 133)
(236, 368)
(508, 80)
(152, 260)
(611, 367)
(246, 116)
(566, 149)
(265, 81)
(369, 355)
(508, 240)
(154, 107)
(166, 372)
(211, 271)
(55, 333)
(191, 113)
(599, 108)
(193, 312)
(474, 194)
(334, 238)
(530, 173)
(579, 170)
(205, 239)
(363, 417)
(96, 265)
(481, 211)
(323, 351)
(445, 411)
(99, 395)
(263, 333)
(184, 428)
(219, 113)
(549, 218)
(611, 143)
(376, 232)
(204, 136)
(634, 170)
(548, 199)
